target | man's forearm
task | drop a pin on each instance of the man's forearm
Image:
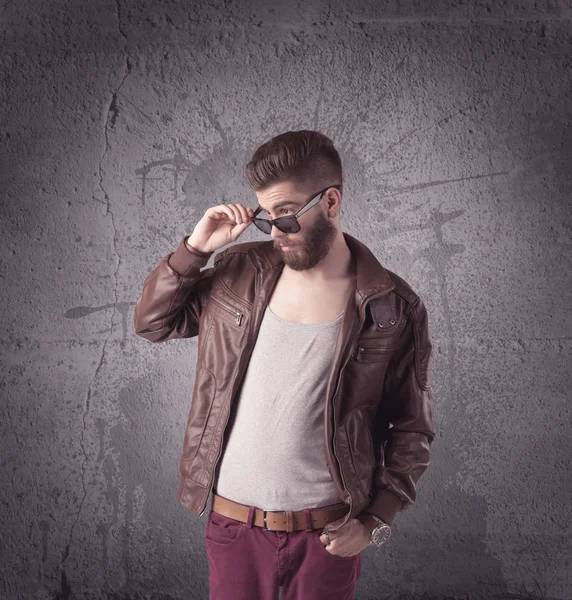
(368, 520)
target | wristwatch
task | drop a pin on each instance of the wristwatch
(380, 533)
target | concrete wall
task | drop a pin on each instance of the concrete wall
(122, 122)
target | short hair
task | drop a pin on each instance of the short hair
(307, 159)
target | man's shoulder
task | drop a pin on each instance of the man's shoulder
(403, 289)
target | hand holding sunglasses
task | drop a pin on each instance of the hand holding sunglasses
(220, 225)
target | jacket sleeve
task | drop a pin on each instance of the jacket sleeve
(404, 420)
(173, 295)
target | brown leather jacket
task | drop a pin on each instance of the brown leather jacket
(378, 406)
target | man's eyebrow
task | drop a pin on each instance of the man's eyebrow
(280, 205)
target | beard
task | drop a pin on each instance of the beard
(314, 247)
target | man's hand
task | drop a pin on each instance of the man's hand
(349, 540)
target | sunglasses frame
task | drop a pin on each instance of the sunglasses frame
(276, 222)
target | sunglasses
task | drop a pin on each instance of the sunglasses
(289, 224)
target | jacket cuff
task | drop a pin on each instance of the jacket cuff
(385, 505)
(184, 260)
(193, 249)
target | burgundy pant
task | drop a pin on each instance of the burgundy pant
(247, 562)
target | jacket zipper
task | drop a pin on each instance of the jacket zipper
(237, 314)
(361, 321)
(360, 350)
(336, 456)
(227, 417)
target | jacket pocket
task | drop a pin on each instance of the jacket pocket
(360, 444)
(367, 352)
(227, 311)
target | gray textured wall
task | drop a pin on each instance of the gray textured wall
(123, 121)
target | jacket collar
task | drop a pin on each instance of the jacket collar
(371, 277)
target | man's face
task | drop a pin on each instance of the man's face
(311, 244)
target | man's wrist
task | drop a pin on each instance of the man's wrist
(193, 248)
(375, 526)
(369, 521)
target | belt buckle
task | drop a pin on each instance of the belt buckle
(264, 514)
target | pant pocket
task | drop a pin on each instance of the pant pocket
(222, 530)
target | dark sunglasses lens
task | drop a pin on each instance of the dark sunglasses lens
(288, 224)
(285, 224)
(263, 225)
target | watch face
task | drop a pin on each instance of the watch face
(381, 534)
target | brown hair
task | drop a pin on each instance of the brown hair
(308, 159)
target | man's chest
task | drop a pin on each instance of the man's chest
(309, 304)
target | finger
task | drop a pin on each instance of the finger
(243, 212)
(247, 216)
(236, 213)
(239, 220)
(222, 210)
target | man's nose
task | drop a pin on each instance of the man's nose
(276, 233)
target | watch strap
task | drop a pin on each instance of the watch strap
(378, 520)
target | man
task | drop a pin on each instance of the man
(311, 418)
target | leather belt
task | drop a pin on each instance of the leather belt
(279, 520)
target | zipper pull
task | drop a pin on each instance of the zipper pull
(357, 353)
